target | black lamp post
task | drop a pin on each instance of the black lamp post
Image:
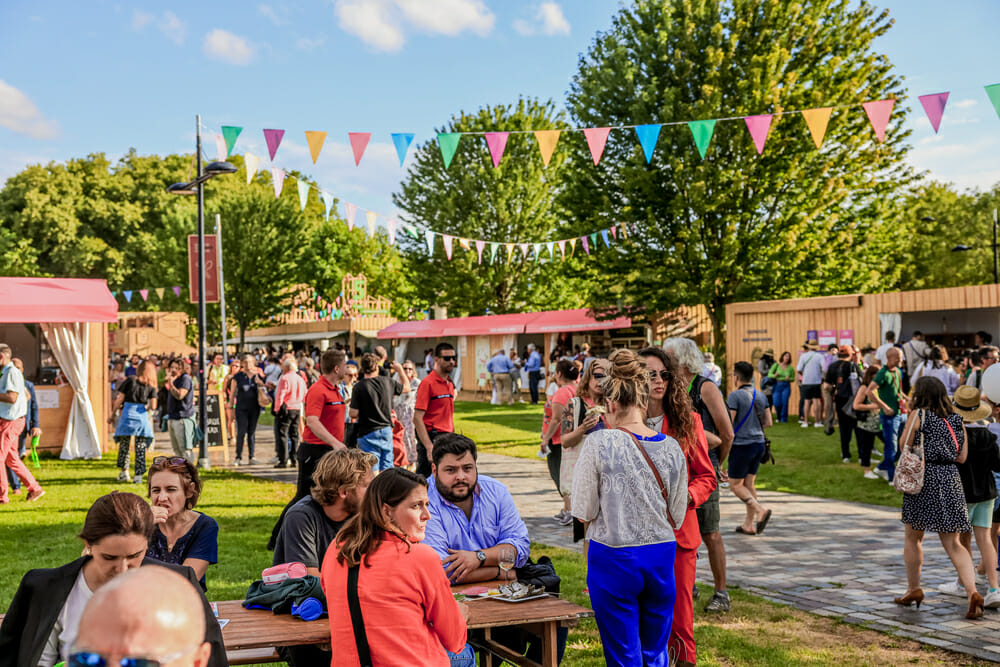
(996, 255)
(197, 187)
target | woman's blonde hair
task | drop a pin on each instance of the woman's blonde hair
(627, 383)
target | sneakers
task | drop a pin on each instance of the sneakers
(559, 517)
(273, 460)
(122, 476)
(847, 459)
(804, 424)
(871, 474)
(237, 463)
(254, 462)
(567, 520)
(820, 425)
(137, 479)
(35, 495)
(992, 600)
(718, 604)
(876, 452)
(882, 473)
(695, 592)
(954, 588)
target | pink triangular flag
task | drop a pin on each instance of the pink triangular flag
(447, 245)
(359, 142)
(144, 293)
(177, 291)
(878, 115)
(614, 231)
(273, 139)
(597, 137)
(390, 226)
(277, 180)
(759, 126)
(934, 108)
(586, 246)
(220, 147)
(562, 249)
(479, 250)
(525, 249)
(497, 141)
(349, 211)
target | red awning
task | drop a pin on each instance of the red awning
(32, 300)
(415, 329)
(558, 321)
(484, 325)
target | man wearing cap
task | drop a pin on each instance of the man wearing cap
(810, 376)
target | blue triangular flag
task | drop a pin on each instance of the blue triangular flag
(430, 241)
(648, 134)
(604, 235)
(327, 201)
(402, 141)
(128, 295)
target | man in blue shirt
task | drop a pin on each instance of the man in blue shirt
(534, 368)
(500, 368)
(13, 408)
(31, 426)
(472, 516)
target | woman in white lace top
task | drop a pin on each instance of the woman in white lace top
(630, 525)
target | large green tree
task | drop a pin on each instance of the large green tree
(474, 200)
(734, 226)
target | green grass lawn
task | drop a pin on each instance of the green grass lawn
(756, 632)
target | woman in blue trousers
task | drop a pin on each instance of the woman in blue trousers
(631, 520)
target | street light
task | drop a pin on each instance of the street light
(197, 187)
(996, 256)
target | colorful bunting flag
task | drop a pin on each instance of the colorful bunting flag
(315, 139)
(934, 108)
(479, 250)
(525, 249)
(277, 180)
(816, 121)
(510, 251)
(220, 148)
(402, 140)
(114, 293)
(597, 137)
(230, 133)
(144, 293)
(572, 246)
(547, 140)
(497, 143)
(128, 295)
(993, 92)
(614, 232)
(593, 241)
(464, 244)
(429, 235)
(177, 291)
(604, 235)
(562, 249)
(159, 293)
(878, 115)
(624, 229)
(759, 126)
(448, 143)
(349, 211)
(493, 252)
(586, 246)
(359, 142)
(327, 201)
(303, 193)
(412, 231)
(701, 131)
(390, 227)
(447, 245)
(538, 252)
(273, 139)
(252, 162)
(371, 217)
(648, 134)
(552, 254)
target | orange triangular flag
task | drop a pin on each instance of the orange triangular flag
(547, 140)
(315, 140)
(816, 121)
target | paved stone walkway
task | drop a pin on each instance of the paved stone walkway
(832, 558)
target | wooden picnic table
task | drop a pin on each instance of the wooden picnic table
(254, 630)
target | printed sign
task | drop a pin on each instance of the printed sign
(48, 399)
(211, 268)
(214, 435)
(847, 336)
(811, 334)
(827, 337)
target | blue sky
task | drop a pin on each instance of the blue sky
(83, 77)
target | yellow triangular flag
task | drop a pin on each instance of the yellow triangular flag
(252, 163)
(816, 120)
(464, 243)
(547, 140)
(159, 292)
(315, 140)
(510, 252)
(572, 245)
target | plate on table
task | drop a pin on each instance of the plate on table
(503, 598)
(475, 593)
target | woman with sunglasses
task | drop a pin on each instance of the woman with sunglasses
(41, 623)
(180, 536)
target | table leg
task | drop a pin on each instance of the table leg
(550, 644)
(487, 655)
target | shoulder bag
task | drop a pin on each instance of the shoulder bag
(909, 478)
(768, 456)
(656, 474)
(357, 620)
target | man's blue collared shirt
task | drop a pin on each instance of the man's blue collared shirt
(534, 362)
(495, 520)
(499, 364)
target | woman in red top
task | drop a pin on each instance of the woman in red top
(407, 609)
(669, 411)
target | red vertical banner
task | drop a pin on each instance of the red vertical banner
(211, 268)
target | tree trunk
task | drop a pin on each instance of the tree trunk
(717, 314)
(243, 330)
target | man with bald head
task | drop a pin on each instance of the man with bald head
(888, 383)
(148, 612)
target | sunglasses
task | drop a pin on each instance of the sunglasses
(449, 358)
(173, 460)
(92, 659)
(663, 375)
(599, 376)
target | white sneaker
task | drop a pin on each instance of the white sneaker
(273, 460)
(804, 424)
(847, 460)
(871, 474)
(876, 452)
(237, 463)
(122, 476)
(818, 424)
(137, 479)
(953, 588)
(992, 600)
(882, 473)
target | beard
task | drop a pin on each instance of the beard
(352, 503)
(453, 494)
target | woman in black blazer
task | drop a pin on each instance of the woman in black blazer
(41, 623)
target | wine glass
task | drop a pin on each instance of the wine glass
(505, 559)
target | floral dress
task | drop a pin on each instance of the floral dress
(940, 506)
(404, 405)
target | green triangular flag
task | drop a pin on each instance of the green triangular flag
(449, 144)
(493, 252)
(994, 92)
(412, 231)
(593, 241)
(702, 131)
(230, 133)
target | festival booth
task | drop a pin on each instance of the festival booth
(58, 328)
(153, 332)
(948, 316)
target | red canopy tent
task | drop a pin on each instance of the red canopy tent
(36, 300)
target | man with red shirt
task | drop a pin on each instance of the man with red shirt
(435, 406)
(325, 410)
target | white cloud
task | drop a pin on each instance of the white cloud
(172, 28)
(271, 15)
(140, 20)
(965, 104)
(307, 44)
(19, 114)
(381, 23)
(229, 48)
(547, 20)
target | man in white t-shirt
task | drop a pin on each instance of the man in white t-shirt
(810, 375)
(987, 356)
(890, 341)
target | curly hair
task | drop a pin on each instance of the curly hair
(627, 383)
(677, 408)
(339, 469)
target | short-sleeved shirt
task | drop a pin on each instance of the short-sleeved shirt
(12, 380)
(436, 397)
(201, 542)
(499, 364)
(889, 385)
(305, 535)
(743, 401)
(811, 367)
(179, 409)
(372, 398)
(245, 388)
(839, 375)
(562, 397)
(134, 391)
(325, 401)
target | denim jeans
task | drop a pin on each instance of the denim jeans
(379, 443)
(782, 391)
(890, 434)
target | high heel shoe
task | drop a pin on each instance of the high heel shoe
(912, 597)
(975, 606)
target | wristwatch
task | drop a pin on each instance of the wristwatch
(481, 555)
